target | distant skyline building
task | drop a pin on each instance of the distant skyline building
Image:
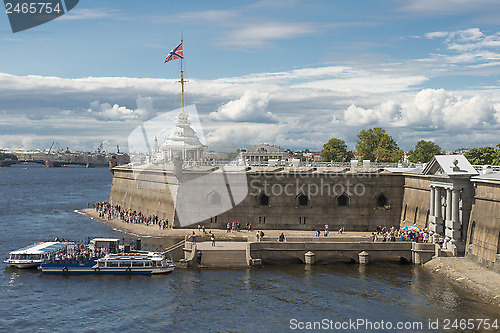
(263, 152)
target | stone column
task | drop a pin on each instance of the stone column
(437, 202)
(438, 217)
(448, 207)
(431, 210)
(454, 215)
(454, 209)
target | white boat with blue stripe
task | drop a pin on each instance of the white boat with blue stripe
(134, 263)
(36, 254)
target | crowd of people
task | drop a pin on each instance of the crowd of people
(236, 226)
(412, 234)
(108, 211)
(80, 253)
(382, 234)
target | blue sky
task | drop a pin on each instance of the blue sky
(290, 73)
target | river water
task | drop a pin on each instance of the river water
(38, 203)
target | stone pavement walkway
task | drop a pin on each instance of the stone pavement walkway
(220, 234)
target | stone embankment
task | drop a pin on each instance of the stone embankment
(468, 275)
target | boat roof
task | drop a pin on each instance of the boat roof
(40, 248)
(132, 256)
(105, 240)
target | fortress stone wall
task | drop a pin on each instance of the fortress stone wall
(483, 237)
(309, 198)
(303, 199)
(149, 193)
(416, 199)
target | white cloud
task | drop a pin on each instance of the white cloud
(106, 112)
(89, 14)
(387, 112)
(260, 34)
(447, 7)
(469, 40)
(206, 15)
(303, 100)
(252, 106)
(429, 108)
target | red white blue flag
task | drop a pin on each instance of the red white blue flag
(176, 53)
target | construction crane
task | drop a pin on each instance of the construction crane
(52, 145)
(100, 148)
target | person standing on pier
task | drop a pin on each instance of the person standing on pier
(198, 257)
(213, 239)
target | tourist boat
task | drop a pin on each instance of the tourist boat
(81, 263)
(69, 265)
(36, 254)
(134, 263)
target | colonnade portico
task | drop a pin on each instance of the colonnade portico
(450, 198)
(444, 210)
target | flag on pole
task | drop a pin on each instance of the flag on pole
(176, 53)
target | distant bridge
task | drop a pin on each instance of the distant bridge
(54, 164)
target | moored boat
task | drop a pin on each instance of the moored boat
(134, 263)
(69, 265)
(82, 258)
(35, 254)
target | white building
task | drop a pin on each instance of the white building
(183, 143)
(264, 152)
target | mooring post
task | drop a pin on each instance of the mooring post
(309, 258)
(364, 258)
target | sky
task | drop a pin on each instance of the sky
(288, 73)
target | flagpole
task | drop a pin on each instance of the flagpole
(182, 81)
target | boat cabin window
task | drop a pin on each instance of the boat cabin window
(148, 263)
(137, 264)
(100, 264)
(35, 256)
(125, 263)
(112, 264)
(158, 264)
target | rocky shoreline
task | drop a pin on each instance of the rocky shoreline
(467, 275)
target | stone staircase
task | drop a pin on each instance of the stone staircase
(223, 258)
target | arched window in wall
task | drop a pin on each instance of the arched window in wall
(264, 200)
(343, 200)
(382, 201)
(303, 200)
(214, 199)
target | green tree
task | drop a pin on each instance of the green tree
(496, 156)
(376, 145)
(335, 150)
(8, 156)
(424, 151)
(481, 156)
